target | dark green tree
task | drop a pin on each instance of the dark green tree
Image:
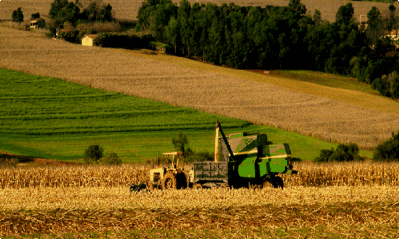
(345, 14)
(185, 30)
(317, 18)
(93, 154)
(181, 143)
(145, 14)
(56, 8)
(63, 11)
(35, 15)
(297, 9)
(375, 25)
(172, 33)
(392, 23)
(388, 150)
(17, 16)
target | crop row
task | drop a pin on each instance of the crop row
(317, 175)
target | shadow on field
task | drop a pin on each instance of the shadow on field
(7, 158)
(21, 159)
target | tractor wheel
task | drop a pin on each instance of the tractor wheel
(276, 182)
(181, 180)
(266, 182)
(198, 186)
(169, 181)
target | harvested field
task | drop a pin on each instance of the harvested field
(346, 209)
(367, 121)
(127, 9)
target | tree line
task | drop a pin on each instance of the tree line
(274, 37)
(62, 11)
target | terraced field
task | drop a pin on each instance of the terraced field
(127, 9)
(328, 113)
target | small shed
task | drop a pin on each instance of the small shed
(38, 23)
(88, 40)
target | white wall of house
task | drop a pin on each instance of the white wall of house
(87, 41)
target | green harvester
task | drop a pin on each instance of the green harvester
(243, 160)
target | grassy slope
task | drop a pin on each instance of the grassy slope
(40, 118)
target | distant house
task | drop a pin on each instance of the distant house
(38, 23)
(88, 40)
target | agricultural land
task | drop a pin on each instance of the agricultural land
(332, 114)
(341, 200)
(56, 98)
(127, 10)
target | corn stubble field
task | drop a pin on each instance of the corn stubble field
(359, 200)
(128, 9)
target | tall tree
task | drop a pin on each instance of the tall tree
(375, 25)
(345, 14)
(172, 33)
(56, 7)
(185, 26)
(296, 8)
(392, 23)
(17, 16)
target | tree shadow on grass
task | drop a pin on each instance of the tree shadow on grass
(21, 159)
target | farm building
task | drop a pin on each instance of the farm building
(88, 40)
(38, 23)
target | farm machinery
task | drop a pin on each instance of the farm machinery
(240, 160)
(170, 177)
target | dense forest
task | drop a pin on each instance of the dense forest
(273, 37)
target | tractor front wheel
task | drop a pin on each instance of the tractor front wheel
(169, 181)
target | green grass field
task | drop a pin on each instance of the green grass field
(51, 118)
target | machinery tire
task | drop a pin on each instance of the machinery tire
(197, 186)
(182, 180)
(267, 182)
(275, 181)
(169, 181)
(278, 182)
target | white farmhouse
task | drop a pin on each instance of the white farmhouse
(88, 40)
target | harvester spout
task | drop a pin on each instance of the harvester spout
(219, 129)
(216, 154)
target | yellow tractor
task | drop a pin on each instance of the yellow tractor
(171, 177)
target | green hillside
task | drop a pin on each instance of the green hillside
(50, 118)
